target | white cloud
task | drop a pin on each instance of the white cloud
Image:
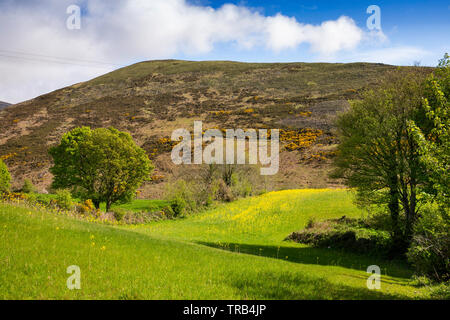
(333, 36)
(129, 30)
(163, 27)
(393, 55)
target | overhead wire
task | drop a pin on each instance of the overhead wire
(54, 59)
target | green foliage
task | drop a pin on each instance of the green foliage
(168, 212)
(5, 178)
(378, 155)
(119, 213)
(43, 199)
(430, 248)
(182, 197)
(245, 181)
(178, 205)
(64, 199)
(225, 183)
(348, 234)
(31, 198)
(441, 291)
(434, 144)
(104, 165)
(28, 186)
(207, 184)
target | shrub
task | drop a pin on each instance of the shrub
(430, 248)
(209, 183)
(28, 186)
(178, 206)
(241, 187)
(182, 197)
(224, 192)
(89, 205)
(441, 292)
(42, 199)
(5, 178)
(378, 218)
(167, 212)
(311, 222)
(344, 233)
(86, 207)
(31, 198)
(64, 199)
(119, 213)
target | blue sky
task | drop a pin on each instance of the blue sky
(424, 25)
(40, 53)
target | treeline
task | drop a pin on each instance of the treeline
(394, 151)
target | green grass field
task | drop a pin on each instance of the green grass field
(137, 205)
(233, 251)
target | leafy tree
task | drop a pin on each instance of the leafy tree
(378, 156)
(434, 143)
(104, 165)
(5, 178)
(430, 248)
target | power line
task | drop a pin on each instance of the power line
(59, 58)
(50, 61)
(53, 59)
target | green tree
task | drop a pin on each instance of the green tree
(104, 165)
(430, 248)
(434, 143)
(378, 156)
(5, 177)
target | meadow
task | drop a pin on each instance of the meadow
(136, 205)
(232, 251)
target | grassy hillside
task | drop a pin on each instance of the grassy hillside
(234, 251)
(151, 99)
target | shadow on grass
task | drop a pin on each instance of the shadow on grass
(297, 286)
(319, 256)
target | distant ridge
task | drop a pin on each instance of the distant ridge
(4, 104)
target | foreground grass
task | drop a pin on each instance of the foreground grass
(185, 259)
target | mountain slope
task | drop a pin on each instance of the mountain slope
(4, 104)
(151, 99)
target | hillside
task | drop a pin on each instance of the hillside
(217, 254)
(151, 99)
(4, 104)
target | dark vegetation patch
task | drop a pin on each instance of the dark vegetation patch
(350, 234)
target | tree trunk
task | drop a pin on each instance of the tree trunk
(108, 205)
(394, 209)
(96, 204)
(410, 219)
(398, 243)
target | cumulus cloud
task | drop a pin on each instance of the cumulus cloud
(393, 55)
(124, 31)
(164, 27)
